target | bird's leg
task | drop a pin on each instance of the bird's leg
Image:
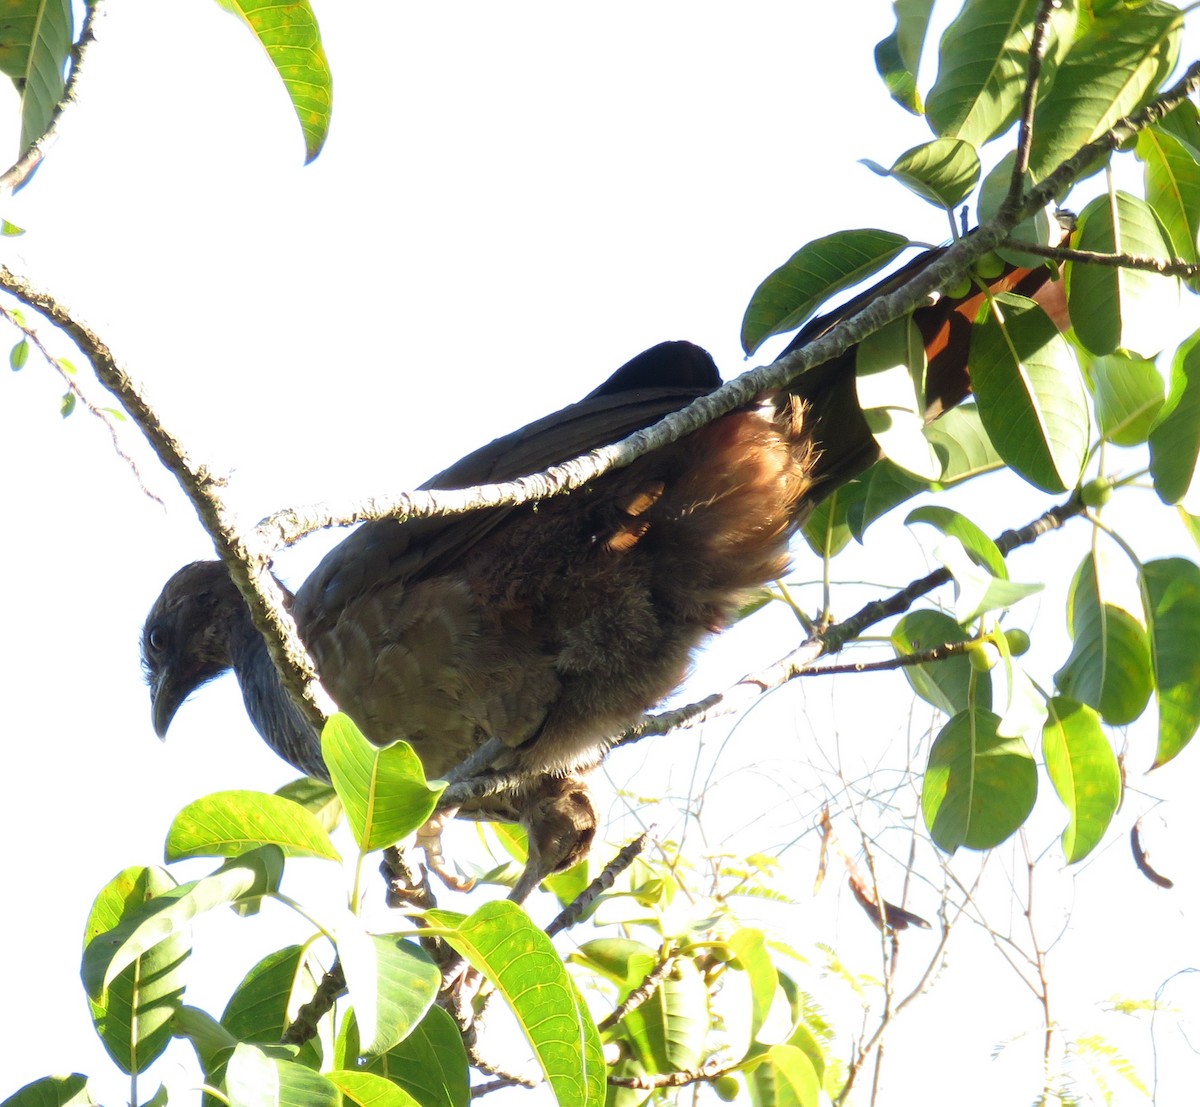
(478, 762)
(429, 836)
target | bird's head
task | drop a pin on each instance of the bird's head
(188, 635)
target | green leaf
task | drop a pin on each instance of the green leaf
(391, 981)
(1113, 307)
(1084, 771)
(827, 530)
(817, 271)
(383, 790)
(318, 798)
(963, 445)
(368, 1090)
(53, 1091)
(944, 172)
(1172, 587)
(751, 954)
(133, 1016)
(269, 996)
(1183, 122)
(256, 1077)
(212, 1042)
(10, 230)
(67, 405)
(34, 49)
(1175, 435)
(624, 961)
(944, 684)
(889, 376)
(501, 942)
(18, 356)
(982, 550)
(979, 787)
(430, 1064)
(1172, 188)
(1127, 392)
(1030, 393)
(886, 487)
(1113, 68)
(976, 589)
(226, 824)
(982, 63)
(239, 880)
(898, 55)
(292, 40)
(785, 1077)
(1109, 666)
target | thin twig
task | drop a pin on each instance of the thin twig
(1037, 54)
(500, 1083)
(710, 1071)
(72, 382)
(485, 1066)
(937, 653)
(640, 994)
(574, 911)
(1169, 267)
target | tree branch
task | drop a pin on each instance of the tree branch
(706, 1072)
(303, 1027)
(640, 994)
(831, 640)
(287, 527)
(1037, 54)
(574, 911)
(246, 561)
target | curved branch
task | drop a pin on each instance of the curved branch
(246, 560)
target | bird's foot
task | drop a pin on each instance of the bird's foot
(429, 841)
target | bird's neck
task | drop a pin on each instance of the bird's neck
(282, 724)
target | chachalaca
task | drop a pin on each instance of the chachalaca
(555, 625)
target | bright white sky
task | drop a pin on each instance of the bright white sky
(514, 199)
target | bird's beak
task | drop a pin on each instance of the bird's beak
(164, 702)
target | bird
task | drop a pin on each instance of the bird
(554, 625)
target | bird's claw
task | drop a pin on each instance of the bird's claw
(429, 841)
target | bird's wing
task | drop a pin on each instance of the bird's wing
(384, 553)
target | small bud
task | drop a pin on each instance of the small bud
(982, 656)
(1096, 493)
(727, 1088)
(990, 266)
(1018, 641)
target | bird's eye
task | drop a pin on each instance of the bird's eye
(157, 639)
